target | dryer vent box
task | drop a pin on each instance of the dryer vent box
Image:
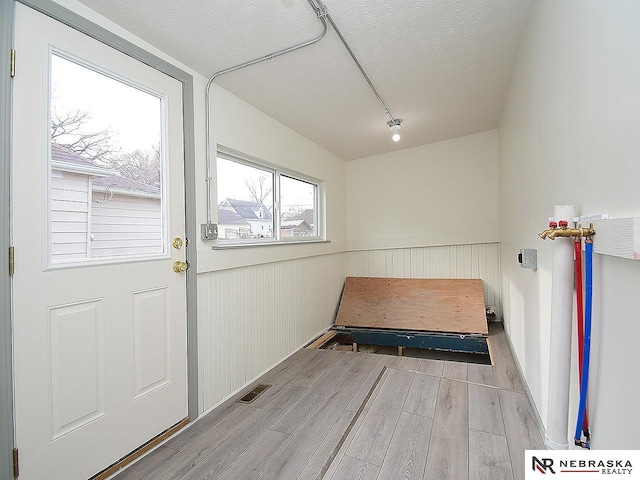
(528, 258)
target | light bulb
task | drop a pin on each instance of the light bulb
(395, 130)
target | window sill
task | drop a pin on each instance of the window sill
(230, 246)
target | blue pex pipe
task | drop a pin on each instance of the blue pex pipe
(587, 338)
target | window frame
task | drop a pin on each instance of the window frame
(277, 172)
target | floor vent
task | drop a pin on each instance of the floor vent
(253, 394)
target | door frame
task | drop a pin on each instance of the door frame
(77, 22)
(6, 352)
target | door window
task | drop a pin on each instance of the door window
(106, 179)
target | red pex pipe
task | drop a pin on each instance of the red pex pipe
(577, 248)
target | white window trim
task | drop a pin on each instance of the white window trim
(277, 172)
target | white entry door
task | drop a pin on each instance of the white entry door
(97, 200)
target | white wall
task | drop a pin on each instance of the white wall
(240, 127)
(257, 305)
(445, 193)
(569, 135)
(429, 211)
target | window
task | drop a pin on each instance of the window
(297, 207)
(258, 203)
(106, 180)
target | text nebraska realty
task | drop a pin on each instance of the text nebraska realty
(606, 467)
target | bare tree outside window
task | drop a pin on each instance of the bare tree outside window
(140, 165)
(259, 189)
(293, 212)
(68, 128)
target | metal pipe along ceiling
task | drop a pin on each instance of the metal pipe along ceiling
(322, 13)
(238, 67)
(364, 74)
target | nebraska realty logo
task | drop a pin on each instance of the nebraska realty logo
(582, 464)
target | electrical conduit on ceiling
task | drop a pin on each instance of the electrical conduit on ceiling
(208, 229)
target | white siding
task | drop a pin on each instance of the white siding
(250, 318)
(453, 261)
(69, 215)
(126, 226)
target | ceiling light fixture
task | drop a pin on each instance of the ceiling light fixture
(394, 126)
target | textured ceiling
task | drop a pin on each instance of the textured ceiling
(442, 66)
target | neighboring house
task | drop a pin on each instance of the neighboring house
(232, 225)
(309, 217)
(96, 213)
(256, 215)
(295, 228)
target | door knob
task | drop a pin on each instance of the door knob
(180, 266)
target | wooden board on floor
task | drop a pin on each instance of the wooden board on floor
(419, 304)
(322, 339)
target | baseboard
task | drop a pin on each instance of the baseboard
(229, 398)
(525, 385)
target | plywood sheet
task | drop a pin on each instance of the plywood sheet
(432, 305)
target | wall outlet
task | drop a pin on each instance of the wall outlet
(208, 231)
(528, 258)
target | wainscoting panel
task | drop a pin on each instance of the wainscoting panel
(250, 318)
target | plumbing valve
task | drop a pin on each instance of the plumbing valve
(563, 230)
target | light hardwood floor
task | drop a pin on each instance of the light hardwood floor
(343, 415)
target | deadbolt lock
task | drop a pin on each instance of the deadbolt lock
(177, 243)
